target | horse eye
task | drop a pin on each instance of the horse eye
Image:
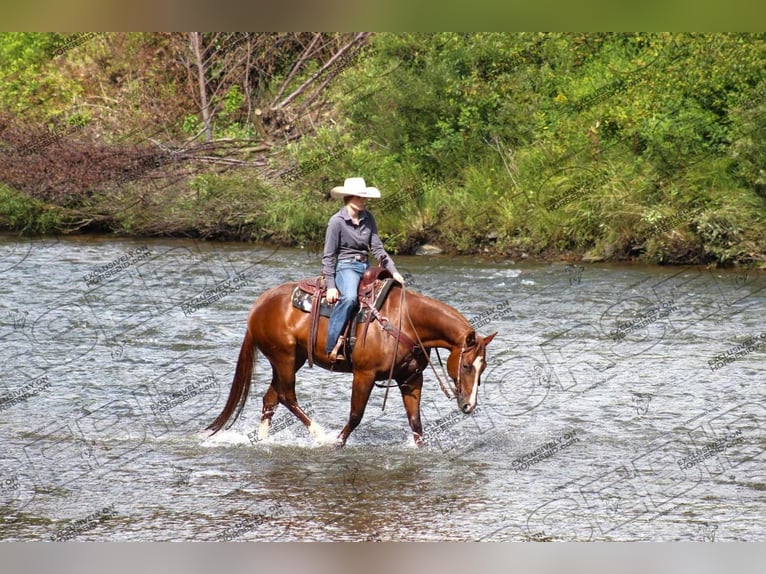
(467, 367)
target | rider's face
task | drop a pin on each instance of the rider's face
(358, 203)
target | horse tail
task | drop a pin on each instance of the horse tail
(240, 387)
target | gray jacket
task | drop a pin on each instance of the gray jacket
(344, 240)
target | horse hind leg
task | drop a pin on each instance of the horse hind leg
(284, 385)
(315, 429)
(270, 404)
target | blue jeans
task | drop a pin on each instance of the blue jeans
(348, 274)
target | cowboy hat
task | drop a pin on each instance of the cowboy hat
(355, 186)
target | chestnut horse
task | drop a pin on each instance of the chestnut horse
(280, 332)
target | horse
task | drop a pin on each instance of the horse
(280, 332)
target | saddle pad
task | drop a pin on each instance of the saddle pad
(302, 300)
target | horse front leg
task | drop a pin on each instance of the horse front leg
(411, 397)
(360, 394)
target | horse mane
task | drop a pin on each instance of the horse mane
(450, 319)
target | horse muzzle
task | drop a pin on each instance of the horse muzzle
(466, 407)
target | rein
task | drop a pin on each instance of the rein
(449, 390)
(396, 346)
(452, 392)
(385, 324)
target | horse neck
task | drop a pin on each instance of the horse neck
(437, 324)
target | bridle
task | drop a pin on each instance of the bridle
(450, 391)
(459, 369)
(457, 386)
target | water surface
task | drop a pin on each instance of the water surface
(619, 403)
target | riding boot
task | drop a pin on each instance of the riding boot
(335, 354)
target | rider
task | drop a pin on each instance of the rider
(351, 234)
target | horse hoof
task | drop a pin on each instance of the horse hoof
(263, 430)
(318, 433)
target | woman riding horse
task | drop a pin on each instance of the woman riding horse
(351, 234)
(409, 326)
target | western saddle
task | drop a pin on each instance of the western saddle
(310, 296)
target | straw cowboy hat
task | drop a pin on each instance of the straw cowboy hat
(355, 186)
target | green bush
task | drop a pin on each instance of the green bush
(20, 212)
(614, 145)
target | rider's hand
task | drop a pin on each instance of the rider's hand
(332, 296)
(399, 278)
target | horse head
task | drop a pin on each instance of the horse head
(465, 366)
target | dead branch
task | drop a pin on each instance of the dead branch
(361, 37)
(297, 66)
(194, 40)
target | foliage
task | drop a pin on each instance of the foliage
(20, 212)
(605, 145)
(551, 143)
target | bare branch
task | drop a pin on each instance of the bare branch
(206, 116)
(358, 38)
(330, 77)
(303, 57)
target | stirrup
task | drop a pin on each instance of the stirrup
(334, 356)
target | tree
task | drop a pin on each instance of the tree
(283, 76)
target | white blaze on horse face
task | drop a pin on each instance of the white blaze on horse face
(477, 365)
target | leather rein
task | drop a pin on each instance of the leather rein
(413, 349)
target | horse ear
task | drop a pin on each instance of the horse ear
(488, 338)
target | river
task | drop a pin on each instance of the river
(620, 402)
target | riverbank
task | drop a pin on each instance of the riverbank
(581, 147)
(234, 209)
